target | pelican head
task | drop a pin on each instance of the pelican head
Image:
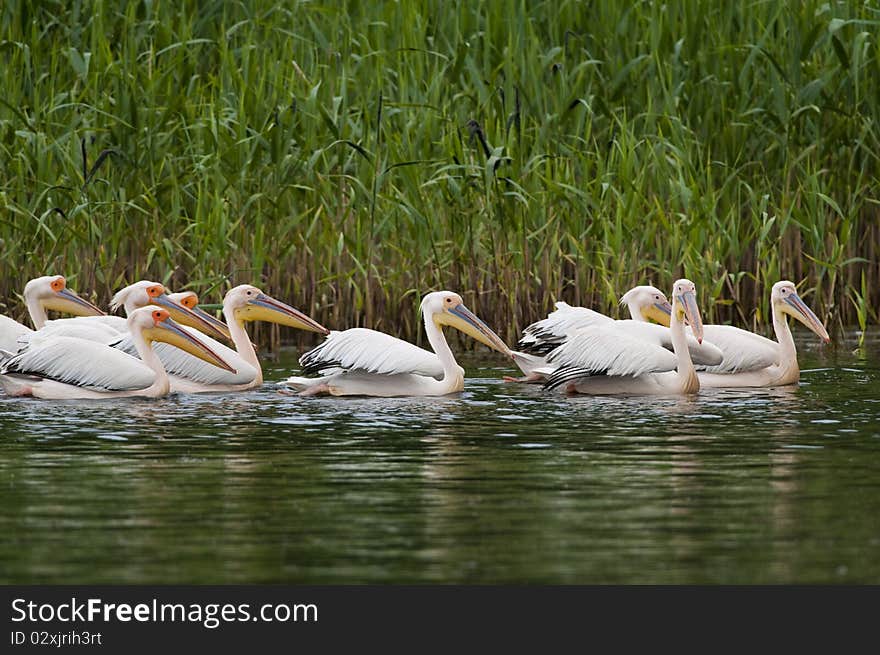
(248, 303)
(52, 293)
(190, 300)
(684, 307)
(785, 298)
(447, 308)
(156, 324)
(648, 304)
(143, 293)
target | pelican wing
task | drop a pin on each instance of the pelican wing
(601, 350)
(180, 363)
(72, 327)
(541, 337)
(81, 363)
(706, 353)
(367, 350)
(117, 323)
(742, 350)
(10, 332)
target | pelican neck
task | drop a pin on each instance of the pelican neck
(242, 341)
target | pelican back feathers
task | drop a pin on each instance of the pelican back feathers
(541, 337)
(742, 350)
(83, 363)
(606, 351)
(182, 364)
(362, 349)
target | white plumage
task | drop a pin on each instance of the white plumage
(602, 350)
(83, 363)
(362, 362)
(186, 371)
(181, 366)
(241, 304)
(85, 327)
(606, 359)
(41, 294)
(67, 367)
(741, 350)
(105, 323)
(751, 360)
(10, 332)
(102, 328)
(542, 337)
(701, 353)
(373, 352)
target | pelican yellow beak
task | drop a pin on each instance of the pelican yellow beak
(687, 302)
(213, 320)
(168, 331)
(67, 301)
(659, 312)
(201, 321)
(798, 308)
(461, 318)
(266, 308)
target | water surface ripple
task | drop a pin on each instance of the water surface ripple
(503, 483)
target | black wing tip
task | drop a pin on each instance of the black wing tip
(566, 374)
(541, 342)
(539, 349)
(311, 361)
(318, 366)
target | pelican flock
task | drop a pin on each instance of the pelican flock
(645, 304)
(244, 303)
(72, 367)
(167, 344)
(104, 329)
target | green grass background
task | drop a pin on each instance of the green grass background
(349, 157)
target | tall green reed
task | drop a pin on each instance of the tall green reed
(350, 158)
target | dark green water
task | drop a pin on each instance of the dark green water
(503, 483)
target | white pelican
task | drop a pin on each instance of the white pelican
(105, 329)
(601, 360)
(751, 360)
(68, 367)
(48, 292)
(645, 303)
(241, 304)
(362, 362)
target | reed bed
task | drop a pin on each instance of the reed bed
(350, 156)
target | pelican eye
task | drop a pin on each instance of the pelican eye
(155, 292)
(58, 284)
(189, 302)
(159, 316)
